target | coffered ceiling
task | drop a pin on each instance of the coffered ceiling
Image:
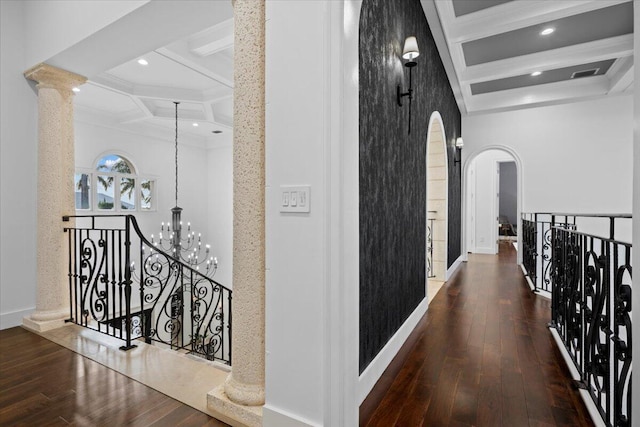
(196, 71)
(490, 49)
(498, 55)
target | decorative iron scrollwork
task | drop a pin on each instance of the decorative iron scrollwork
(171, 302)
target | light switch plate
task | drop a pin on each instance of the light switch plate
(295, 198)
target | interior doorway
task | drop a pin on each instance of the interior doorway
(437, 190)
(492, 201)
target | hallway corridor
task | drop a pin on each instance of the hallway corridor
(482, 356)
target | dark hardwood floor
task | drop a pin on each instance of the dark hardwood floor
(44, 384)
(482, 356)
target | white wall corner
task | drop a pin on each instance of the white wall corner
(376, 368)
(275, 417)
(454, 267)
(14, 318)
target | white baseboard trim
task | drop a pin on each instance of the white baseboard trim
(591, 407)
(544, 294)
(454, 267)
(376, 368)
(14, 318)
(526, 276)
(275, 417)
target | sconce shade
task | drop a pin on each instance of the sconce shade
(459, 143)
(410, 50)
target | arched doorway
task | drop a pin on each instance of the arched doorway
(437, 187)
(485, 221)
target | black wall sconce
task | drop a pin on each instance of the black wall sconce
(459, 145)
(409, 52)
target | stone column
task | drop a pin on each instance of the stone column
(56, 166)
(243, 393)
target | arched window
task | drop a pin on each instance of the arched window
(113, 186)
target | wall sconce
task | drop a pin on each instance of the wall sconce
(409, 52)
(459, 145)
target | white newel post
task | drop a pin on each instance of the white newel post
(55, 192)
(240, 400)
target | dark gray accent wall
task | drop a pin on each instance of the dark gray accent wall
(393, 169)
(509, 191)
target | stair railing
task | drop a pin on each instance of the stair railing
(590, 282)
(122, 285)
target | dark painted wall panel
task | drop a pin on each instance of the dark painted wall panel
(393, 168)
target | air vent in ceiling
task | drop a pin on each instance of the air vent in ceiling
(585, 73)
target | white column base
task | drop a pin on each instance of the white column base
(41, 321)
(232, 413)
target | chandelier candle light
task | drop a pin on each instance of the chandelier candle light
(187, 249)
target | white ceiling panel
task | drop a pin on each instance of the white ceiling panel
(163, 72)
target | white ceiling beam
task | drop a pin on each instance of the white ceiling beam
(526, 97)
(133, 35)
(213, 40)
(446, 55)
(621, 75)
(170, 113)
(599, 50)
(171, 93)
(512, 16)
(110, 82)
(182, 60)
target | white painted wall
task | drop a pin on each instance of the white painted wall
(153, 157)
(18, 171)
(296, 255)
(575, 157)
(220, 209)
(486, 188)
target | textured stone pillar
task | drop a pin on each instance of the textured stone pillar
(55, 192)
(243, 393)
(245, 385)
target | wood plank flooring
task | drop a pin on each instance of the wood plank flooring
(482, 356)
(44, 384)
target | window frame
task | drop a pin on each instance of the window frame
(117, 183)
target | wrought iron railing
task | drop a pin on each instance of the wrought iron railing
(122, 285)
(590, 280)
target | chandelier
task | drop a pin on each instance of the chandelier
(187, 249)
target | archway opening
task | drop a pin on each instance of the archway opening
(437, 191)
(493, 194)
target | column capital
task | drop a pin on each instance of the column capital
(49, 76)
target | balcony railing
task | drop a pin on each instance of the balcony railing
(122, 285)
(590, 282)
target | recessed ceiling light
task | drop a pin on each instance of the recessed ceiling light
(536, 73)
(76, 89)
(547, 31)
(195, 125)
(143, 61)
(216, 131)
